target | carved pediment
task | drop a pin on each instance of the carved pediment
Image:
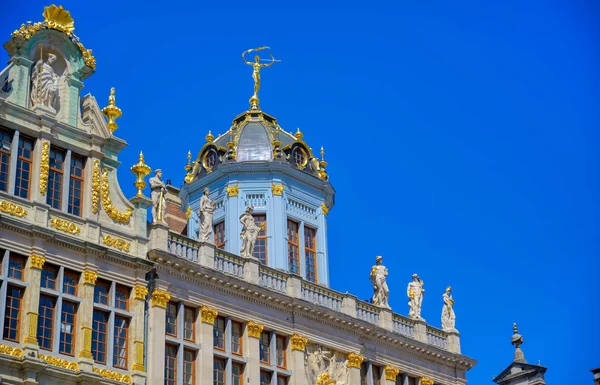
(92, 118)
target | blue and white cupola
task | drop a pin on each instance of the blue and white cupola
(256, 163)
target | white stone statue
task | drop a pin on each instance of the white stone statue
(448, 316)
(379, 280)
(318, 361)
(249, 233)
(415, 292)
(159, 197)
(205, 212)
(44, 83)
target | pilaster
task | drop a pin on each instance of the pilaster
(253, 331)
(14, 149)
(232, 224)
(72, 105)
(390, 374)
(137, 333)
(298, 344)
(156, 334)
(84, 319)
(205, 358)
(31, 303)
(19, 74)
(354, 362)
(277, 227)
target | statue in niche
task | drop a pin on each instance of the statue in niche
(448, 316)
(318, 361)
(249, 232)
(207, 208)
(415, 293)
(44, 83)
(159, 197)
(379, 280)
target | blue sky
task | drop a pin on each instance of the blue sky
(461, 139)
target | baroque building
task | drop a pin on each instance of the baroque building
(92, 292)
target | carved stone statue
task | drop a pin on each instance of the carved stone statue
(379, 280)
(249, 233)
(319, 361)
(415, 292)
(159, 197)
(448, 316)
(207, 208)
(44, 83)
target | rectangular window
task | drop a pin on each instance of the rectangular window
(293, 247)
(122, 297)
(70, 280)
(5, 146)
(260, 247)
(237, 332)
(281, 380)
(101, 290)
(189, 323)
(310, 253)
(363, 374)
(265, 378)
(12, 316)
(67, 328)
(171, 319)
(265, 347)
(76, 185)
(219, 231)
(219, 372)
(280, 349)
(219, 333)
(16, 265)
(24, 161)
(189, 367)
(99, 336)
(412, 381)
(49, 274)
(55, 178)
(45, 328)
(237, 372)
(376, 375)
(170, 365)
(120, 342)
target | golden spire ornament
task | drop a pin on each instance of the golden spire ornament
(188, 166)
(112, 112)
(140, 170)
(256, 66)
(209, 137)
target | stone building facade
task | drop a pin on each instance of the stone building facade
(91, 292)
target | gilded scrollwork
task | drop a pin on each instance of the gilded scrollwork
(254, 329)
(59, 362)
(112, 211)
(44, 167)
(277, 189)
(37, 261)
(208, 314)
(233, 191)
(95, 186)
(64, 225)
(391, 372)
(119, 243)
(112, 375)
(160, 298)
(12, 209)
(11, 351)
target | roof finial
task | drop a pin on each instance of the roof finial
(298, 134)
(210, 137)
(188, 166)
(257, 65)
(112, 112)
(517, 340)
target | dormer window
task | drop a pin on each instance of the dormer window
(300, 157)
(210, 159)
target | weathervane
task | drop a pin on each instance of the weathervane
(257, 65)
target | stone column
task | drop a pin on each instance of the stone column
(390, 373)
(421, 330)
(253, 331)
(205, 359)
(84, 319)
(277, 226)
(136, 339)
(156, 333)
(31, 304)
(355, 360)
(232, 222)
(298, 344)
(454, 341)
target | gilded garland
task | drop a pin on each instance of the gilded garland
(66, 226)
(12, 209)
(44, 167)
(119, 243)
(59, 362)
(112, 375)
(111, 210)
(95, 186)
(59, 19)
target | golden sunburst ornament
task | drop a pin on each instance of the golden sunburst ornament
(59, 18)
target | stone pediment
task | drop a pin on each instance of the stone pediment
(92, 119)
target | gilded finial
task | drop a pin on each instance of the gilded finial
(517, 340)
(140, 170)
(210, 137)
(112, 112)
(298, 134)
(188, 166)
(59, 18)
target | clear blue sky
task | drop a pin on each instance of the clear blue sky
(461, 138)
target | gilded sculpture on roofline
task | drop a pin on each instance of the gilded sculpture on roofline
(256, 66)
(250, 231)
(448, 316)
(319, 361)
(378, 277)
(45, 83)
(205, 212)
(415, 292)
(159, 197)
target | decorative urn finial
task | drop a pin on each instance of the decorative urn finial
(112, 112)
(517, 340)
(209, 137)
(298, 135)
(140, 170)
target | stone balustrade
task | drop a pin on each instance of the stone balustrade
(296, 287)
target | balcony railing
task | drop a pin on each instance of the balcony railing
(183, 247)
(320, 295)
(367, 312)
(272, 279)
(229, 263)
(403, 325)
(437, 337)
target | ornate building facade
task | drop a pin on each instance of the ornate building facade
(91, 292)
